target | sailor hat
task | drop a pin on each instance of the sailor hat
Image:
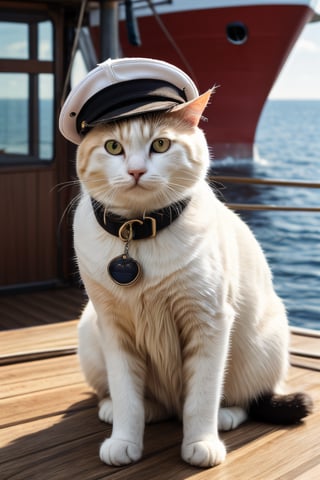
(123, 88)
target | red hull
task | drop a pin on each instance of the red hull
(245, 73)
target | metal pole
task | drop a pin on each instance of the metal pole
(109, 29)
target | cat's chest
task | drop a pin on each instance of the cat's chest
(157, 338)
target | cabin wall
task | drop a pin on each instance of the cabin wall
(36, 234)
(28, 217)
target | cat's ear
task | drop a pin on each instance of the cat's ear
(192, 111)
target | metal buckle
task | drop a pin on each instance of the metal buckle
(153, 226)
(126, 231)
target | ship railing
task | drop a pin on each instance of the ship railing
(217, 180)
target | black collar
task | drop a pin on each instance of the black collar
(137, 228)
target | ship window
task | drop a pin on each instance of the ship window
(14, 40)
(26, 89)
(237, 33)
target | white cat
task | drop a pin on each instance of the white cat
(200, 332)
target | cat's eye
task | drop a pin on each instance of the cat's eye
(160, 145)
(113, 147)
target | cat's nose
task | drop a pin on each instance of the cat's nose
(137, 174)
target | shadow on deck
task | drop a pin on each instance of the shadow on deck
(40, 307)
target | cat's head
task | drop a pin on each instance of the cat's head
(147, 162)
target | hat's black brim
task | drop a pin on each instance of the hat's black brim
(128, 99)
(136, 110)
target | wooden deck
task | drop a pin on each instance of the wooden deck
(49, 427)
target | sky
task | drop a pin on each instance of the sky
(300, 76)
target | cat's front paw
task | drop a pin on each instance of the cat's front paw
(105, 413)
(119, 452)
(205, 453)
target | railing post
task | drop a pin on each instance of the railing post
(109, 29)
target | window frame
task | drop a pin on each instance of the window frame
(33, 68)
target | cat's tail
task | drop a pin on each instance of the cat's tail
(281, 409)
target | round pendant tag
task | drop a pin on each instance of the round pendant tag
(124, 270)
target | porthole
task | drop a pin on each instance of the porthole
(237, 33)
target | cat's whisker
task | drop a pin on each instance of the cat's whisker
(63, 185)
(69, 208)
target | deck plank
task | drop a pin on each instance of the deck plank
(30, 339)
(31, 372)
(310, 345)
(50, 427)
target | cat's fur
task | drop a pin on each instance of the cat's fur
(202, 331)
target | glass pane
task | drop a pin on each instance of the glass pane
(14, 40)
(46, 116)
(14, 107)
(45, 41)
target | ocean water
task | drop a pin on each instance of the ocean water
(288, 147)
